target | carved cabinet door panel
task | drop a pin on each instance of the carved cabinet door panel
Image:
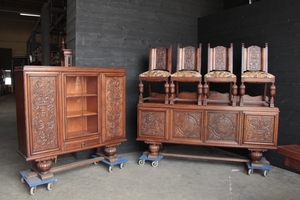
(222, 127)
(113, 99)
(153, 124)
(260, 128)
(43, 113)
(187, 126)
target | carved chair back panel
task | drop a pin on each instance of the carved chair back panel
(158, 58)
(186, 58)
(254, 58)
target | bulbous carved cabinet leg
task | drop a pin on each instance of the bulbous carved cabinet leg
(253, 128)
(68, 109)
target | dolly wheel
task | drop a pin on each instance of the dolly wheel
(141, 162)
(154, 163)
(50, 186)
(32, 190)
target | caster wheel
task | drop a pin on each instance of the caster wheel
(265, 173)
(22, 180)
(154, 163)
(50, 186)
(141, 162)
(110, 169)
(122, 165)
(95, 163)
(32, 190)
(250, 171)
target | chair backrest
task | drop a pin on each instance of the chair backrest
(254, 58)
(220, 58)
(189, 58)
(160, 58)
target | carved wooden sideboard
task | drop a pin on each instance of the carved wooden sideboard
(67, 109)
(253, 127)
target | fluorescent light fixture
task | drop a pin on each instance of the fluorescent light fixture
(29, 15)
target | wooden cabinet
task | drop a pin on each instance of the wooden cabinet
(255, 128)
(67, 109)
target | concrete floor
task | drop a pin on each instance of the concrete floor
(173, 178)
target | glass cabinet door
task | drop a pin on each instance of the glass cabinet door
(81, 106)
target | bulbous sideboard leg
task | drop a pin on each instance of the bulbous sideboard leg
(154, 149)
(110, 153)
(256, 157)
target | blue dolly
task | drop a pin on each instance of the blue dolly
(121, 161)
(265, 167)
(36, 181)
(145, 157)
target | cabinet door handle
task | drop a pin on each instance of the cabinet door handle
(83, 145)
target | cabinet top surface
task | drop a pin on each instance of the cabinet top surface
(69, 69)
(208, 107)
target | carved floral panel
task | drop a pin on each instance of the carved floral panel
(222, 126)
(114, 105)
(189, 58)
(160, 58)
(259, 129)
(254, 58)
(220, 58)
(153, 123)
(187, 125)
(43, 103)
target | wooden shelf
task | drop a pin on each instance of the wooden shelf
(80, 113)
(82, 133)
(80, 95)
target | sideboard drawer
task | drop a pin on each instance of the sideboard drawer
(82, 144)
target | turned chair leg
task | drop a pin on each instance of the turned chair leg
(200, 91)
(242, 93)
(234, 94)
(167, 92)
(272, 93)
(172, 91)
(205, 92)
(141, 90)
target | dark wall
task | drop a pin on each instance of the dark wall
(278, 23)
(6, 59)
(117, 33)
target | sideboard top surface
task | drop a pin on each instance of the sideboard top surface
(101, 69)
